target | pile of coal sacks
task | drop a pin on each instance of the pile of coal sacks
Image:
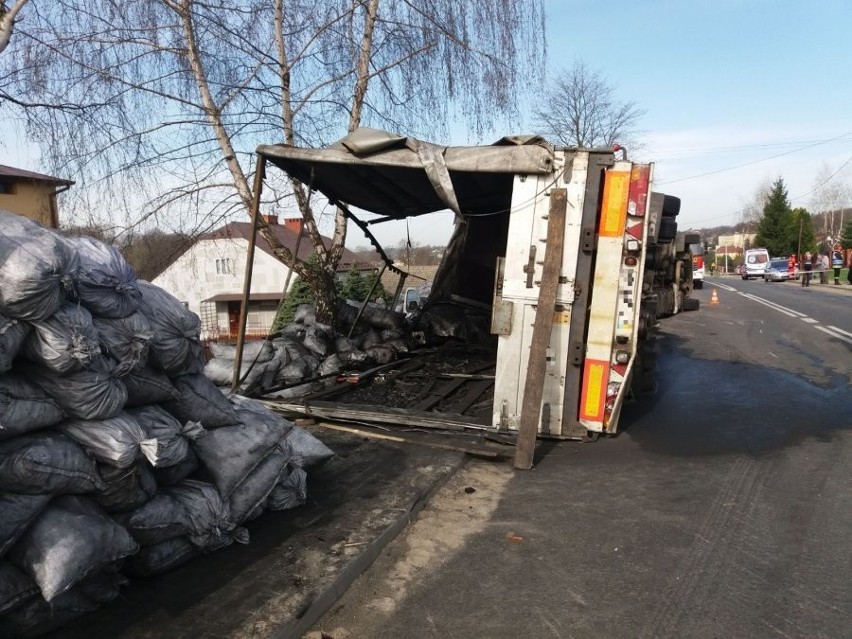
(310, 350)
(118, 457)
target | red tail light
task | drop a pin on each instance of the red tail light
(698, 262)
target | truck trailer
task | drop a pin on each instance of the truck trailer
(569, 252)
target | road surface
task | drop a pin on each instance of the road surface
(723, 510)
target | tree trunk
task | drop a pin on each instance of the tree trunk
(321, 282)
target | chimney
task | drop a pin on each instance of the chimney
(272, 220)
(293, 223)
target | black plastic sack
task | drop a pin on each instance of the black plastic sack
(24, 407)
(250, 495)
(383, 318)
(38, 617)
(16, 588)
(305, 314)
(191, 509)
(317, 342)
(330, 364)
(35, 269)
(258, 351)
(71, 539)
(94, 393)
(148, 386)
(306, 449)
(231, 453)
(176, 346)
(125, 341)
(118, 441)
(171, 437)
(291, 490)
(380, 354)
(171, 475)
(46, 463)
(126, 488)
(64, 342)
(162, 557)
(104, 282)
(18, 511)
(200, 401)
(12, 335)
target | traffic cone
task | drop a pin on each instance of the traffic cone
(714, 299)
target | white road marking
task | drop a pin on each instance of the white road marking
(833, 331)
(833, 334)
(840, 330)
(781, 309)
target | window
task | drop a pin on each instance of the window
(224, 267)
(7, 187)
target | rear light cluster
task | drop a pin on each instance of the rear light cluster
(698, 262)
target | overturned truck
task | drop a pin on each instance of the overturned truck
(567, 253)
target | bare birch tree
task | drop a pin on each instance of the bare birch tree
(579, 108)
(831, 195)
(178, 94)
(8, 15)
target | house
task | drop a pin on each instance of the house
(32, 195)
(208, 276)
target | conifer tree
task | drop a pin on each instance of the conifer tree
(775, 228)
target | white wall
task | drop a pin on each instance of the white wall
(193, 277)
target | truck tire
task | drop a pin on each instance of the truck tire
(690, 304)
(671, 206)
(667, 231)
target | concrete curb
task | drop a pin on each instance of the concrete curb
(328, 597)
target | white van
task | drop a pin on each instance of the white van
(754, 262)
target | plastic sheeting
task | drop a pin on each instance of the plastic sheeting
(103, 282)
(16, 588)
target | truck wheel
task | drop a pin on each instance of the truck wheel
(690, 304)
(668, 230)
(671, 206)
(697, 283)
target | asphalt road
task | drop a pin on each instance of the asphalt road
(724, 508)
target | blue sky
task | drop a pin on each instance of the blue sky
(735, 93)
(725, 85)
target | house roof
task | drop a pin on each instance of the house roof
(287, 237)
(21, 174)
(238, 297)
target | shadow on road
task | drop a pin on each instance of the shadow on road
(705, 407)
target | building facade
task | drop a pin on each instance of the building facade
(32, 195)
(208, 277)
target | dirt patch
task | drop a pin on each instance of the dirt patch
(460, 509)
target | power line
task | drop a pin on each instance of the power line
(771, 157)
(824, 182)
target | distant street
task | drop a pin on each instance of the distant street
(723, 510)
